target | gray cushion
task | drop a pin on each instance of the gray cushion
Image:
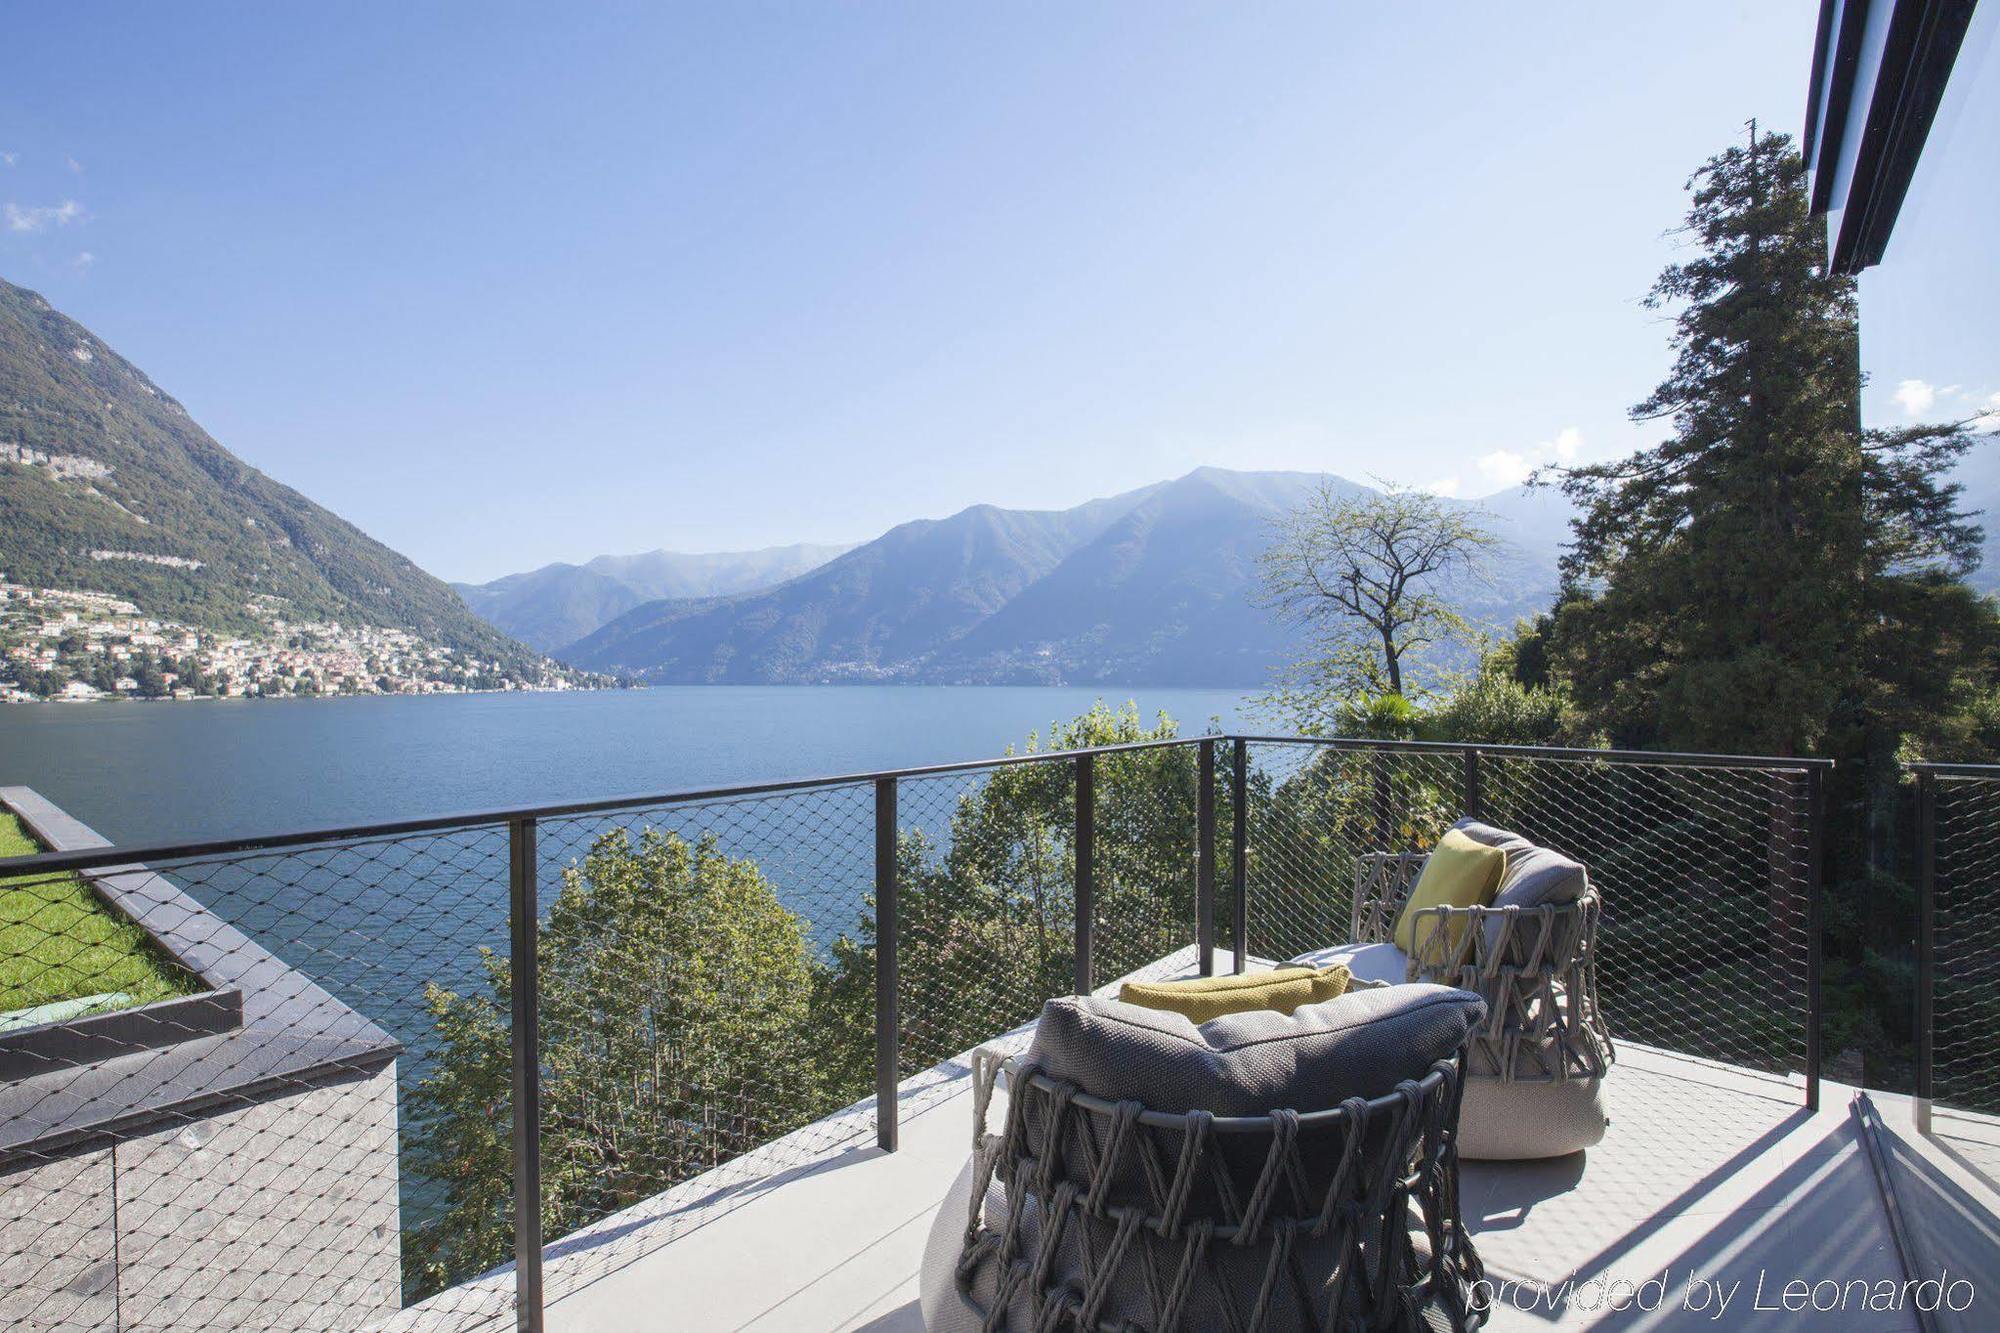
(1382, 962)
(1488, 836)
(1360, 1045)
(1534, 876)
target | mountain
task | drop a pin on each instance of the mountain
(1978, 472)
(1150, 587)
(558, 604)
(107, 485)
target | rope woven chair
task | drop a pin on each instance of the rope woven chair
(1536, 968)
(1096, 1215)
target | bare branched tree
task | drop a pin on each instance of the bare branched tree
(1369, 574)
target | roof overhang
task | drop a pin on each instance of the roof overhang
(1879, 71)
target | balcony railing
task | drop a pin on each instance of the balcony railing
(1958, 946)
(582, 1006)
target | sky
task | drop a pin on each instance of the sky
(506, 284)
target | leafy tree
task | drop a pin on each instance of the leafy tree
(151, 681)
(1504, 702)
(675, 996)
(1368, 575)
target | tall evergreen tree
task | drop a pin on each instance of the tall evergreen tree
(1723, 581)
(1772, 578)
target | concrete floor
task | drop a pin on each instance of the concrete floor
(1710, 1178)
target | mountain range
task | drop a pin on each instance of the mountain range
(107, 485)
(558, 604)
(1151, 586)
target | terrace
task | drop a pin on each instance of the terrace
(725, 1038)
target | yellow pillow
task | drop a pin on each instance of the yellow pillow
(1458, 873)
(1203, 998)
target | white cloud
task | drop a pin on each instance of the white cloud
(9, 159)
(1504, 467)
(35, 219)
(84, 259)
(1915, 397)
(1445, 486)
(74, 165)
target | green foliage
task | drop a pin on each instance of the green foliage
(676, 1001)
(988, 919)
(1731, 586)
(1497, 705)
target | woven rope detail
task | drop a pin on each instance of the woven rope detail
(1538, 974)
(1123, 1221)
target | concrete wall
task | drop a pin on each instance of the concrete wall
(273, 1214)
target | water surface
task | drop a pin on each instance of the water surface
(154, 772)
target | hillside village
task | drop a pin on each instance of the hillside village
(74, 646)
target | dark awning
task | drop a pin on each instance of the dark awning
(1879, 71)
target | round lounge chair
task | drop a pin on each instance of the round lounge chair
(1093, 1213)
(1536, 1069)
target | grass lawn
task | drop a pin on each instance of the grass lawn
(59, 941)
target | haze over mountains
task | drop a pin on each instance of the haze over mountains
(558, 604)
(1153, 586)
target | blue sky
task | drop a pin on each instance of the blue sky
(509, 284)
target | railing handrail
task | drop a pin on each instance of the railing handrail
(1945, 770)
(101, 858)
(1675, 758)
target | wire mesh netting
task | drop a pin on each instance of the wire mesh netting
(243, 1138)
(1965, 990)
(706, 1001)
(986, 869)
(284, 1097)
(987, 875)
(1704, 872)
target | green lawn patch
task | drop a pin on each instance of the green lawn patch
(60, 941)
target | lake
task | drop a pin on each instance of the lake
(158, 772)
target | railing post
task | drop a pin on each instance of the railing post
(1926, 943)
(887, 1024)
(523, 924)
(1086, 853)
(1815, 863)
(1385, 824)
(1239, 850)
(1204, 862)
(1474, 807)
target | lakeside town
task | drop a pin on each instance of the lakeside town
(73, 646)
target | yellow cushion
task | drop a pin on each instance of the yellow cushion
(1458, 873)
(1203, 998)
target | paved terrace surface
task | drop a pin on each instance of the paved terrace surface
(1707, 1170)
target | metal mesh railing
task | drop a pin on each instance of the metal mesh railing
(1959, 949)
(702, 1008)
(299, 1091)
(1705, 870)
